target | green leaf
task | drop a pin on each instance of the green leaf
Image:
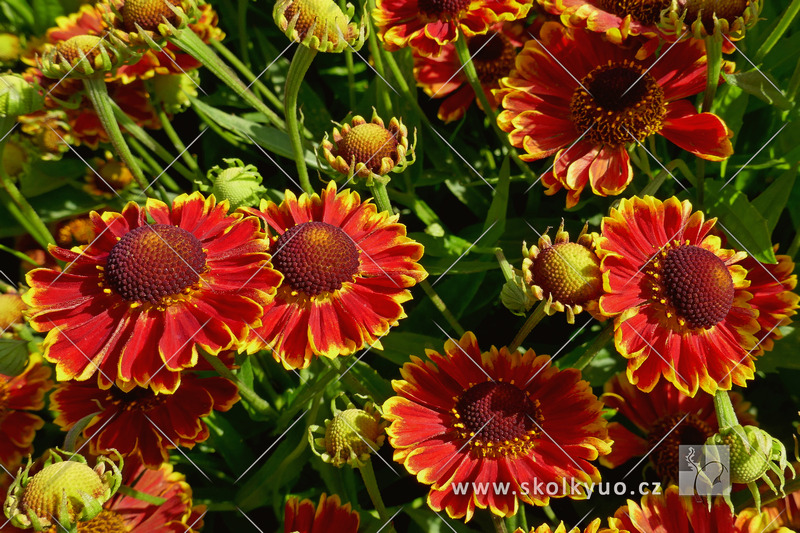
(745, 227)
(226, 440)
(784, 353)
(756, 83)
(399, 346)
(45, 13)
(20, 8)
(771, 202)
(54, 205)
(13, 357)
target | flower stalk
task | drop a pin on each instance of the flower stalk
(302, 59)
(368, 475)
(258, 403)
(527, 327)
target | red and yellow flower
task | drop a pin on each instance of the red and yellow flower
(347, 269)
(329, 515)
(493, 417)
(617, 20)
(492, 54)
(135, 305)
(18, 395)
(679, 300)
(670, 511)
(428, 25)
(142, 424)
(608, 100)
(593, 527)
(665, 419)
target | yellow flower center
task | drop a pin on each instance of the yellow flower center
(443, 9)
(498, 419)
(617, 105)
(368, 143)
(729, 10)
(693, 283)
(147, 13)
(153, 263)
(45, 490)
(665, 457)
(11, 308)
(349, 432)
(647, 12)
(315, 257)
(88, 45)
(493, 56)
(106, 522)
(327, 18)
(114, 175)
(569, 271)
(75, 232)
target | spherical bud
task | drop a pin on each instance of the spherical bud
(350, 436)
(320, 24)
(239, 184)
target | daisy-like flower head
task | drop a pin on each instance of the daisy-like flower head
(134, 305)
(320, 24)
(593, 527)
(347, 270)
(18, 395)
(614, 18)
(566, 275)
(65, 490)
(783, 512)
(711, 17)
(369, 149)
(142, 23)
(669, 511)
(608, 100)
(428, 25)
(329, 515)
(142, 424)
(84, 56)
(471, 417)
(493, 55)
(679, 300)
(664, 419)
(350, 437)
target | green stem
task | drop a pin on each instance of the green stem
(795, 246)
(794, 83)
(713, 68)
(784, 22)
(368, 475)
(346, 377)
(499, 523)
(242, 27)
(189, 42)
(522, 518)
(442, 307)
(527, 327)
(294, 79)
(71, 439)
(377, 57)
(141, 496)
(173, 136)
(505, 266)
(548, 511)
(378, 189)
(98, 94)
(302, 398)
(599, 342)
(726, 414)
(256, 402)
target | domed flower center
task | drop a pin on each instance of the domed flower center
(152, 263)
(648, 12)
(324, 15)
(74, 48)
(493, 56)
(569, 271)
(147, 13)
(105, 522)
(443, 9)
(666, 455)
(346, 433)
(138, 399)
(46, 490)
(618, 103)
(697, 285)
(729, 10)
(315, 257)
(497, 419)
(368, 143)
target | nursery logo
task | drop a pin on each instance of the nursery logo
(704, 470)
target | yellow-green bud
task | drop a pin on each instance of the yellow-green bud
(240, 184)
(18, 96)
(350, 436)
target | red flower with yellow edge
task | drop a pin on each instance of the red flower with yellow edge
(18, 395)
(606, 101)
(329, 515)
(492, 54)
(347, 269)
(135, 305)
(593, 527)
(466, 417)
(133, 515)
(428, 25)
(783, 512)
(669, 511)
(678, 299)
(142, 424)
(771, 287)
(663, 419)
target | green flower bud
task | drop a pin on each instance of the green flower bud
(240, 184)
(172, 91)
(84, 56)
(350, 436)
(320, 24)
(18, 96)
(516, 296)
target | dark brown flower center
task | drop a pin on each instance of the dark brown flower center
(568, 271)
(647, 12)
(368, 143)
(696, 284)
(443, 9)
(137, 399)
(497, 419)
(665, 457)
(729, 10)
(147, 13)
(315, 257)
(493, 56)
(619, 102)
(152, 263)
